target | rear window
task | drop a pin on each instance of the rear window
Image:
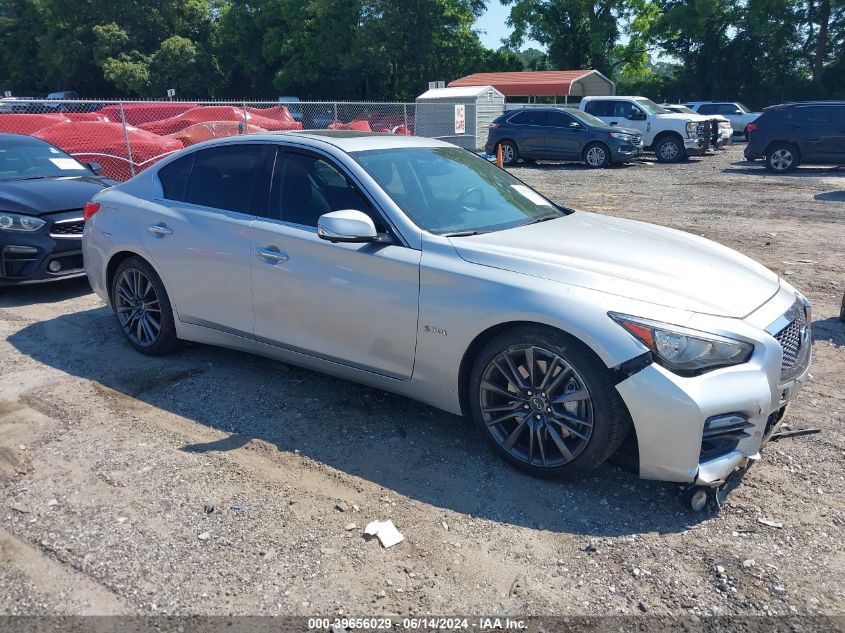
(708, 108)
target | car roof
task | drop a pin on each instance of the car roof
(345, 140)
(22, 139)
(792, 104)
(703, 102)
(613, 97)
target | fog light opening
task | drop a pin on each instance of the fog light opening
(54, 266)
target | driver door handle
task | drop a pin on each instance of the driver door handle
(160, 230)
(271, 255)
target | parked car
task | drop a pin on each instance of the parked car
(63, 94)
(42, 192)
(721, 132)
(561, 134)
(294, 107)
(739, 116)
(417, 267)
(671, 136)
(794, 133)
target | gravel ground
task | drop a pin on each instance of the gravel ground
(214, 482)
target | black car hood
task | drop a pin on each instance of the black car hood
(48, 195)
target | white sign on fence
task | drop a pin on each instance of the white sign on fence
(171, 92)
(460, 119)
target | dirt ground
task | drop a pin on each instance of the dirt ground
(214, 482)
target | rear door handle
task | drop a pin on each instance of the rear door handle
(160, 230)
(272, 255)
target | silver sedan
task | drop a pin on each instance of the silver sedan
(420, 268)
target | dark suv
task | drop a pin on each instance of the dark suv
(561, 134)
(794, 133)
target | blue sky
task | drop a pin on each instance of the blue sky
(493, 23)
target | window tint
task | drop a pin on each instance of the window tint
(559, 119)
(708, 108)
(530, 117)
(174, 177)
(728, 108)
(814, 114)
(599, 108)
(222, 177)
(623, 109)
(305, 187)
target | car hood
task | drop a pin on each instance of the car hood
(681, 116)
(619, 128)
(630, 259)
(48, 195)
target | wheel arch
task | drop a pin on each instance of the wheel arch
(116, 259)
(595, 142)
(667, 133)
(779, 141)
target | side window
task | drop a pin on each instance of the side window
(728, 108)
(222, 177)
(623, 109)
(708, 108)
(813, 114)
(559, 119)
(174, 177)
(305, 187)
(530, 117)
(599, 108)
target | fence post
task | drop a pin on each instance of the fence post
(405, 115)
(246, 121)
(126, 138)
(334, 106)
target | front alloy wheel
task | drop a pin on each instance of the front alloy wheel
(536, 406)
(669, 151)
(781, 159)
(597, 156)
(546, 403)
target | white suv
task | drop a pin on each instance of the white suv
(672, 137)
(736, 113)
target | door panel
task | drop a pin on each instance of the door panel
(204, 262)
(352, 303)
(530, 132)
(563, 141)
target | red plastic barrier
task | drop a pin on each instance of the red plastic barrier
(200, 132)
(29, 123)
(206, 114)
(104, 143)
(137, 113)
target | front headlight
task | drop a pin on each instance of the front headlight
(692, 126)
(17, 222)
(683, 351)
(622, 136)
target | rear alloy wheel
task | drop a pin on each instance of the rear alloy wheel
(546, 404)
(143, 308)
(781, 158)
(596, 156)
(509, 153)
(669, 150)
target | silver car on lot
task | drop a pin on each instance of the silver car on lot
(417, 267)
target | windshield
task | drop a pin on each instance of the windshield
(742, 107)
(20, 160)
(651, 107)
(584, 117)
(680, 109)
(447, 190)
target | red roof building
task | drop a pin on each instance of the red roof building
(542, 83)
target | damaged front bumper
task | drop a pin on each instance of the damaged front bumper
(700, 429)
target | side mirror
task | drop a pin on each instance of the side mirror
(346, 226)
(575, 125)
(97, 168)
(737, 112)
(637, 116)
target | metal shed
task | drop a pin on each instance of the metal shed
(458, 115)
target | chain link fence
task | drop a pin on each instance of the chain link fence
(126, 137)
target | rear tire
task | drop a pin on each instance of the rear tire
(782, 158)
(545, 403)
(510, 154)
(670, 149)
(597, 156)
(142, 307)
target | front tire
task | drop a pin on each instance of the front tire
(670, 150)
(782, 158)
(545, 403)
(596, 156)
(142, 307)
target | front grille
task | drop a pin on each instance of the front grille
(703, 131)
(794, 339)
(637, 139)
(67, 228)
